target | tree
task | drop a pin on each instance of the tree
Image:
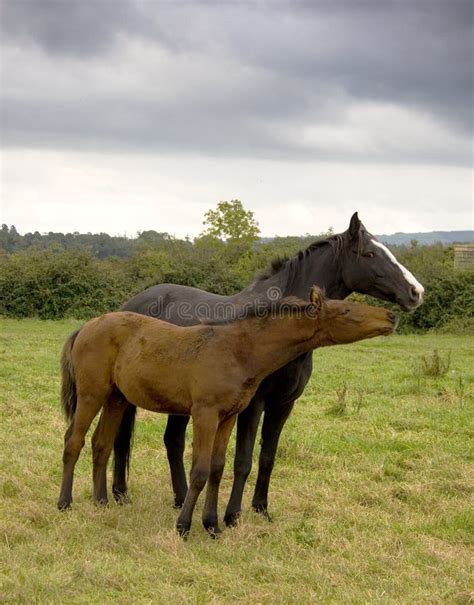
(231, 222)
(9, 238)
(153, 236)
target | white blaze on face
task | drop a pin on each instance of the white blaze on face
(411, 279)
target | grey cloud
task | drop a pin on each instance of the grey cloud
(289, 64)
(106, 129)
(70, 27)
(416, 53)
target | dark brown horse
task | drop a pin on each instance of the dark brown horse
(209, 372)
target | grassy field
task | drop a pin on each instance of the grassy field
(371, 495)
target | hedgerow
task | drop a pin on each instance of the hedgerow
(56, 282)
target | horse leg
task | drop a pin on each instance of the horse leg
(174, 439)
(122, 448)
(273, 423)
(102, 443)
(247, 426)
(205, 425)
(209, 515)
(86, 410)
(65, 495)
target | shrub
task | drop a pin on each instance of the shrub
(447, 298)
(51, 284)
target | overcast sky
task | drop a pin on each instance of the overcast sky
(126, 115)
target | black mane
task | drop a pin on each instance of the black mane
(337, 241)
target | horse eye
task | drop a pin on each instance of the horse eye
(369, 254)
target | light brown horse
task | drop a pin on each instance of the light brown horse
(208, 371)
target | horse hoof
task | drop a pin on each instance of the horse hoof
(178, 504)
(262, 510)
(64, 505)
(102, 503)
(212, 528)
(122, 497)
(183, 530)
(214, 532)
(232, 519)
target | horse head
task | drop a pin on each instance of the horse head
(343, 322)
(370, 268)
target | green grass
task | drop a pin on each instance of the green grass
(370, 505)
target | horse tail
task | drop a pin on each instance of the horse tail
(68, 382)
(124, 440)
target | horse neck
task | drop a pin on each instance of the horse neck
(320, 266)
(273, 342)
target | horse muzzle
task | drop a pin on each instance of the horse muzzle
(412, 301)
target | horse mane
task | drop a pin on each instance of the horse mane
(337, 242)
(262, 309)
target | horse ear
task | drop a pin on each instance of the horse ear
(354, 226)
(316, 298)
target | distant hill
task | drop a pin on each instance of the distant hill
(400, 239)
(430, 237)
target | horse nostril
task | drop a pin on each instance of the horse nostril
(392, 317)
(415, 295)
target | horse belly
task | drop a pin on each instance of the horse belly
(160, 403)
(146, 394)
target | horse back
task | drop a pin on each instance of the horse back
(179, 305)
(101, 339)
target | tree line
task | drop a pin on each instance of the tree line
(58, 275)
